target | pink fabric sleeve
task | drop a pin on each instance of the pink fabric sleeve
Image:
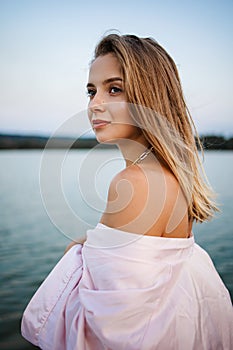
(51, 295)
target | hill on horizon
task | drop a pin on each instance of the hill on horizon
(16, 141)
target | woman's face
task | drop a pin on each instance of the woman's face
(108, 109)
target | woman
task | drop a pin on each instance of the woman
(139, 281)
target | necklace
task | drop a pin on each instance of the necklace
(143, 155)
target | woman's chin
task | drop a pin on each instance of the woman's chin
(106, 140)
(103, 137)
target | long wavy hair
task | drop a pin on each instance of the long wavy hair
(153, 89)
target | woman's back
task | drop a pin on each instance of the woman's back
(147, 199)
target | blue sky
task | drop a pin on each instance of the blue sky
(46, 47)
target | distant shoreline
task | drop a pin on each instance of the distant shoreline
(8, 141)
(13, 141)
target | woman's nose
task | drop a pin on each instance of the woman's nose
(97, 103)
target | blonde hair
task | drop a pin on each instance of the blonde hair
(154, 92)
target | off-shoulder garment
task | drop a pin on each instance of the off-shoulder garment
(123, 291)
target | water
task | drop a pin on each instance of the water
(30, 244)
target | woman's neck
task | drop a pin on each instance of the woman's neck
(132, 149)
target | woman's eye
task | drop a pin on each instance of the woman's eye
(91, 93)
(115, 90)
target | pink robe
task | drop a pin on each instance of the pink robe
(123, 291)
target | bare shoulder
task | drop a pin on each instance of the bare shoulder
(131, 198)
(146, 201)
(131, 178)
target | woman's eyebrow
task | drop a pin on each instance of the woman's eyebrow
(107, 81)
(90, 85)
(110, 80)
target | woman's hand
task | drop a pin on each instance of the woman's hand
(79, 241)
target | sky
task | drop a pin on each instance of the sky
(47, 46)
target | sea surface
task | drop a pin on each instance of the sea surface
(47, 198)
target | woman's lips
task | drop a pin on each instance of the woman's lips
(98, 123)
